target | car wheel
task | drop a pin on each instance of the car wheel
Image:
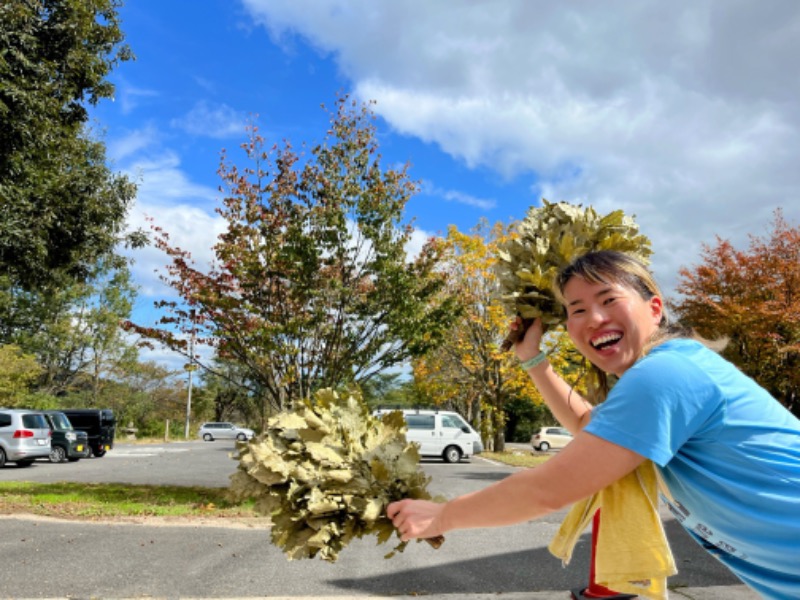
(2, 458)
(208, 437)
(98, 452)
(452, 454)
(24, 463)
(57, 454)
(241, 437)
(544, 446)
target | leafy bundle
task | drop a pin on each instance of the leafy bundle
(325, 473)
(549, 238)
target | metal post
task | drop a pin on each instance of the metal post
(190, 368)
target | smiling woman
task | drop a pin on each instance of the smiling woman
(727, 453)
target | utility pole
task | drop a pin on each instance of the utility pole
(190, 368)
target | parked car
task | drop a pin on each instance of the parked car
(24, 436)
(224, 431)
(66, 443)
(440, 433)
(550, 437)
(99, 425)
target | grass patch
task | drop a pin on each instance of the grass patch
(108, 500)
(517, 458)
(72, 500)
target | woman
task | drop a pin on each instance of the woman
(728, 452)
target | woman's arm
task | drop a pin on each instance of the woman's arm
(585, 466)
(567, 405)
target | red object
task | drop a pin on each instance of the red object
(23, 433)
(595, 590)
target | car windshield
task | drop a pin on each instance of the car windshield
(60, 421)
(452, 421)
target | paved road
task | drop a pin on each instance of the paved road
(43, 558)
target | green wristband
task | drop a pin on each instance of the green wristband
(533, 362)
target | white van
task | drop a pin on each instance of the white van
(440, 433)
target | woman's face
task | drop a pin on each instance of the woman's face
(610, 323)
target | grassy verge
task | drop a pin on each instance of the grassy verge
(70, 500)
(517, 458)
(113, 500)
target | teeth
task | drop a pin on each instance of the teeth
(605, 339)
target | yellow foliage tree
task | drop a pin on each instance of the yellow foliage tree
(470, 372)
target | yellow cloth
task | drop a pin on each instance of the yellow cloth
(632, 553)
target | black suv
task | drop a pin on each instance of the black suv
(66, 443)
(98, 423)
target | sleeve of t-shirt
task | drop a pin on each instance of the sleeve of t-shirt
(656, 406)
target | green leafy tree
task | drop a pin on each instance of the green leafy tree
(312, 286)
(76, 332)
(61, 208)
(146, 395)
(18, 372)
(226, 394)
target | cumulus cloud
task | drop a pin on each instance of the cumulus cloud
(167, 198)
(218, 122)
(684, 115)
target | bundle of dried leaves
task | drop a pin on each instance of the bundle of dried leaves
(325, 473)
(549, 238)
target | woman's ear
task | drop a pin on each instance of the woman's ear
(657, 309)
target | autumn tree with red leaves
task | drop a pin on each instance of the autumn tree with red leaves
(312, 286)
(753, 298)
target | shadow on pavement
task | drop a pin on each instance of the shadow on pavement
(535, 570)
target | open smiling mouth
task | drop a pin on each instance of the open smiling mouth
(605, 341)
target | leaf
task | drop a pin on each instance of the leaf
(550, 238)
(323, 492)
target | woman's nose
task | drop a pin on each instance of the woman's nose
(596, 316)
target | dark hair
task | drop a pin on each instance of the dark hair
(612, 267)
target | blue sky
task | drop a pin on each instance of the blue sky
(684, 114)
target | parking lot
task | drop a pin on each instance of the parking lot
(210, 559)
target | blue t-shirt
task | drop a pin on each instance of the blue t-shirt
(729, 454)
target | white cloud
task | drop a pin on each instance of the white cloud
(683, 114)
(190, 228)
(457, 197)
(130, 97)
(417, 241)
(166, 198)
(205, 120)
(126, 146)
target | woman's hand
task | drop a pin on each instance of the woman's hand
(529, 345)
(416, 518)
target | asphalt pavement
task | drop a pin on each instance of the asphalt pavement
(50, 558)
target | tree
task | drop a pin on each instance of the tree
(61, 208)
(74, 332)
(18, 372)
(470, 372)
(753, 298)
(312, 286)
(227, 395)
(145, 394)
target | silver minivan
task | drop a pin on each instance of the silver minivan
(24, 436)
